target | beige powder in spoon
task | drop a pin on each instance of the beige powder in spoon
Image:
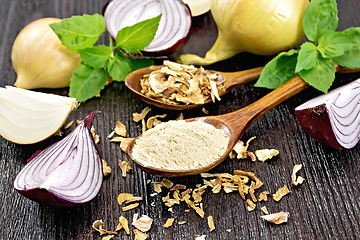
(180, 145)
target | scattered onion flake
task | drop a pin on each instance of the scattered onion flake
(281, 192)
(240, 149)
(95, 136)
(169, 222)
(98, 226)
(180, 84)
(180, 117)
(202, 237)
(277, 218)
(265, 154)
(125, 166)
(251, 205)
(294, 179)
(67, 173)
(263, 196)
(127, 198)
(153, 121)
(211, 223)
(129, 207)
(137, 117)
(143, 223)
(106, 168)
(123, 224)
(107, 237)
(264, 209)
(69, 124)
(139, 235)
(120, 129)
(124, 142)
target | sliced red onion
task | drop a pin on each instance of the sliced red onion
(333, 119)
(65, 174)
(174, 26)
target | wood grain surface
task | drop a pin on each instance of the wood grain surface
(325, 206)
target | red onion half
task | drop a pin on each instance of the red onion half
(333, 119)
(174, 26)
(67, 173)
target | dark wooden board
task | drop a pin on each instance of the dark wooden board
(326, 206)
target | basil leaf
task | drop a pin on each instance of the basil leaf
(354, 33)
(319, 18)
(79, 32)
(118, 68)
(321, 76)
(138, 62)
(279, 70)
(86, 82)
(96, 57)
(334, 44)
(351, 58)
(138, 36)
(307, 57)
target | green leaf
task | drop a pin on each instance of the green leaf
(118, 68)
(319, 18)
(138, 36)
(351, 58)
(96, 57)
(354, 33)
(79, 32)
(307, 57)
(334, 44)
(279, 70)
(138, 62)
(321, 76)
(86, 82)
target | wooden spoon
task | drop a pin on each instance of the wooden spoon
(236, 123)
(233, 79)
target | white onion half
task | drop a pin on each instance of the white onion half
(174, 26)
(334, 118)
(28, 117)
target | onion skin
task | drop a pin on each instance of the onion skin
(67, 173)
(39, 58)
(176, 46)
(333, 119)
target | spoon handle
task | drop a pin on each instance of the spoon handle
(234, 79)
(242, 118)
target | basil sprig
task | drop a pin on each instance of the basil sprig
(314, 61)
(80, 33)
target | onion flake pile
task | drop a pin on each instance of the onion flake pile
(65, 174)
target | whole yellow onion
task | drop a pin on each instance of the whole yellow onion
(39, 58)
(263, 27)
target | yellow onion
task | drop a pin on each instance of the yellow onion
(262, 27)
(39, 58)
